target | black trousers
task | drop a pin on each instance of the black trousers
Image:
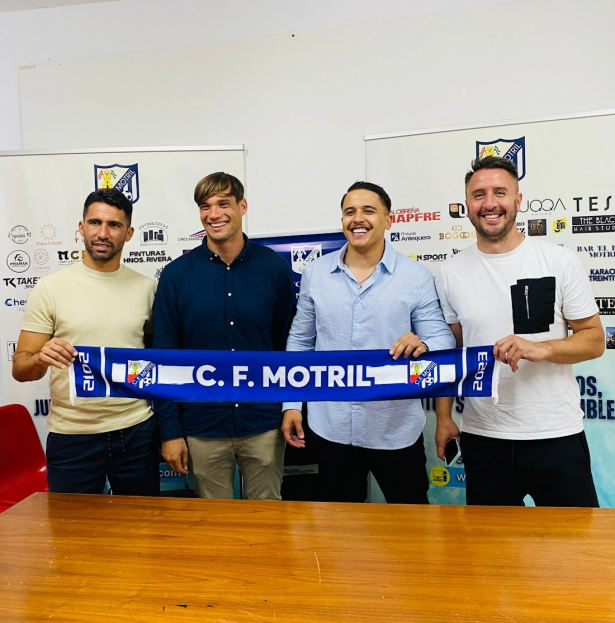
(343, 471)
(128, 457)
(554, 472)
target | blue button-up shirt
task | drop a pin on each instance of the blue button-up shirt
(335, 313)
(203, 304)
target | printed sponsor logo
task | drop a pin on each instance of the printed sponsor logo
(593, 224)
(141, 257)
(592, 204)
(606, 305)
(154, 233)
(602, 274)
(455, 251)
(122, 177)
(20, 282)
(195, 237)
(542, 205)
(48, 234)
(598, 250)
(521, 227)
(430, 257)
(594, 406)
(457, 233)
(11, 347)
(18, 261)
(413, 215)
(537, 227)
(19, 234)
(41, 406)
(70, 257)
(301, 255)
(441, 476)
(511, 149)
(158, 273)
(457, 210)
(610, 338)
(559, 225)
(13, 303)
(407, 236)
(41, 257)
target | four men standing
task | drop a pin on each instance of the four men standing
(231, 294)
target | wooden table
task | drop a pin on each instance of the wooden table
(102, 558)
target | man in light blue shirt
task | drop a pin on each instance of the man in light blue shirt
(365, 297)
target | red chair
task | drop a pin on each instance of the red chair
(23, 468)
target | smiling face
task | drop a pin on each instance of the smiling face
(104, 229)
(221, 217)
(493, 200)
(364, 220)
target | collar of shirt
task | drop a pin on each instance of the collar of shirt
(244, 255)
(389, 257)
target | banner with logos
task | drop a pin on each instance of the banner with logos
(263, 376)
(566, 177)
(41, 204)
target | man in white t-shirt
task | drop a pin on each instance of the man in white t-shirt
(97, 302)
(520, 294)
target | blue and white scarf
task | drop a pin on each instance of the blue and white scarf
(259, 376)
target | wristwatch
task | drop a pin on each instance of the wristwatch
(425, 345)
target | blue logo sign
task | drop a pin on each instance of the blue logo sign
(511, 149)
(122, 177)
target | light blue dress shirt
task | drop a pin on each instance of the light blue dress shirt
(335, 313)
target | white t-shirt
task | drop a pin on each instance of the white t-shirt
(530, 292)
(86, 307)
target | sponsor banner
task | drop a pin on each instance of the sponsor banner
(567, 200)
(593, 224)
(257, 376)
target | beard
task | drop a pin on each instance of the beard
(488, 235)
(101, 256)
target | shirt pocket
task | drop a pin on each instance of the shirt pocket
(533, 305)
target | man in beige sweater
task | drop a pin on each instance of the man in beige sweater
(98, 302)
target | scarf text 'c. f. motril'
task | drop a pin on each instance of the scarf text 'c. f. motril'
(266, 376)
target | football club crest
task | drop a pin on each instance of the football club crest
(122, 177)
(302, 255)
(511, 149)
(423, 373)
(140, 373)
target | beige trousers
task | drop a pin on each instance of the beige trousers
(260, 458)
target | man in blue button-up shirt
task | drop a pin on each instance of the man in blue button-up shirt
(227, 294)
(365, 297)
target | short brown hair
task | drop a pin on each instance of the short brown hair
(217, 184)
(493, 162)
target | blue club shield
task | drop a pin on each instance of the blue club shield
(122, 177)
(511, 149)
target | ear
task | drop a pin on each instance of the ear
(518, 201)
(389, 221)
(81, 229)
(129, 232)
(243, 207)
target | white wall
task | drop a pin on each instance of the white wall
(302, 104)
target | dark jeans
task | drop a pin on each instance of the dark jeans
(555, 472)
(343, 471)
(128, 457)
